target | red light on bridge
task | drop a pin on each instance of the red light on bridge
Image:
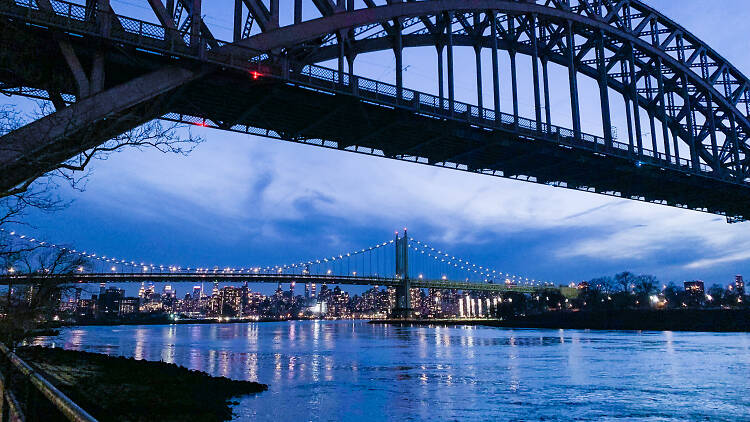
(201, 124)
(256, 74)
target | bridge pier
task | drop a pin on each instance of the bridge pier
(403, 307)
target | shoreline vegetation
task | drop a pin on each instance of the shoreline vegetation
(698, 320)
(125, 389)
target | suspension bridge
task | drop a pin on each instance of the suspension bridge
(403, 263)
(687, 108)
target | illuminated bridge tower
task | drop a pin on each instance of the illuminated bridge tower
(403, 292)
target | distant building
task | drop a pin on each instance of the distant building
(739, 284)
(109, 299)
(695, 288)
(231, 301)
(128, 305)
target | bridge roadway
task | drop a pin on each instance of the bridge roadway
(230, 87)
(178, 277)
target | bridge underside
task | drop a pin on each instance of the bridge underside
(269, 105)
(344, 122)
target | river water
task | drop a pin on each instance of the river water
(343, 370)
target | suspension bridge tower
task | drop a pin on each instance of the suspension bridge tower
(403, 307)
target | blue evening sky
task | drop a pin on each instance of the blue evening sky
(242, 200)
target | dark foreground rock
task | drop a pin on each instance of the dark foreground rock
(123, 389)
(716, 320)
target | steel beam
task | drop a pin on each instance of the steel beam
(34, 149)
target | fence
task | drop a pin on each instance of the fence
(27, 396)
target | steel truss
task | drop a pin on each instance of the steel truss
(663, 73)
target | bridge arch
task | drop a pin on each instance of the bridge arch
(665, 67)
(701, 100)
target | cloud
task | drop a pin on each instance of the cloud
(711, 262)
(242, 186)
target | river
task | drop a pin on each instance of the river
(344, 370)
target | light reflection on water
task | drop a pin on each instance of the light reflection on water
(356, 371)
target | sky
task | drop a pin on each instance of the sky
(241, 200)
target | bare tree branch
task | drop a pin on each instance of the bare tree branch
(38, 192)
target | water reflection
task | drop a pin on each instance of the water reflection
(357, 371)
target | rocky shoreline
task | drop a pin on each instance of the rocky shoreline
(125, 389)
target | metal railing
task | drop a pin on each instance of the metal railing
(154, 37)
(27, 396)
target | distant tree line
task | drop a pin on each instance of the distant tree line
(627, 290)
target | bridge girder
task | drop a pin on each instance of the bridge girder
(656, 58)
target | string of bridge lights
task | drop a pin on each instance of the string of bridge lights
(420, 247)
(174, 268)
(304, 264)
(463, 264)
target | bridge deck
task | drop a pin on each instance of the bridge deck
(178, 277)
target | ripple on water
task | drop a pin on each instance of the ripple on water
(343, 370)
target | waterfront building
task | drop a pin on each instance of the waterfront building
(417, 296)
(231, 301)
(86, 307)
(391, 299)
(338, 303)
(434, 303)
(128, 305)
(695, 288)
(739, 285)
(695, 293)
(109, 299)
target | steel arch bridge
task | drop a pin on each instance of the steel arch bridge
(687, 108)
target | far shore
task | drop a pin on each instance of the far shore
(709, 320)
(165, 320)
(698, 320)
